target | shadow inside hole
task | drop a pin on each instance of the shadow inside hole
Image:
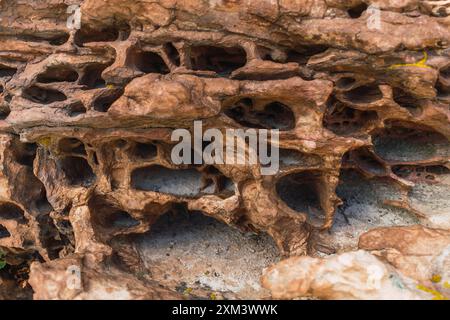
(301, 192)
(364, 94)
(147, 62)
(58, 74)
(407, 101)
(71, 145)
(4, 111)
(182, 182)
(172, 53)
(363, 159)
(10, 211)
(24, 153)
(92, 76)
(345, 82)
(222, 60)
(406, 142)
(145, 150)
(77, 170)
(42, 95)
(275, 115)
(75, 109)
(357, 11)
(207, 246)
(107, 216)
(87, 35)
(105, 100)
(7, 72)
(291, 157)
(4, 233)
(301, 55)
(343, 120)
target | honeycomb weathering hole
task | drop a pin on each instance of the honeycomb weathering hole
(92, 76)
(72, 145)
(428, 174)
(357, 11)
(147, 62)
(145, 150)
(208, 247)
(274, 115)
(344, 120)
(44, 96)
(108, 34)
(407, 101)
(110, 217)
(7, 72)
(405, 142)
(10, 211)
(179, 182)
(4, 233)
(301, 192)
(365, 160)
(222, 60)
(58, 74)
(364, 94)
(77, 170)
(103, 102)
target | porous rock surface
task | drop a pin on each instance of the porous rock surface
(87, 115)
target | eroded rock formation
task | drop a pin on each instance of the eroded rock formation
(87, 116)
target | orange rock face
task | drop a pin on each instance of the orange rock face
(91, 92)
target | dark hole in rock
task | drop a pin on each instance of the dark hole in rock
(301, 55)
(77, 170)
(301, 192)
(173, 53)
(344, 120)
(45, 96)
(145, 150)
(106, 99)
(443, 83)
(58, 40)
(147, 62)
(24, 153)
(357, 11)
(50, 237)
(182, 182)
(407, 101)
(11, 211)
(363, 159)
(7, 72)
(222, 60)
(71, 145)
(291, 157)
(364, 206)
(92, 76)
(95, 158)
(364, 94)
(110, 216)
(403, 141)
(275, 115)
(75, 109)
(345, 82)
(58, 74)
(208, 246)
(4, 233)
(4, 112)
(421, 173)
(265, 53)
(87, 35)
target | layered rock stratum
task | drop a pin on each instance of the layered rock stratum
(92, 206)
